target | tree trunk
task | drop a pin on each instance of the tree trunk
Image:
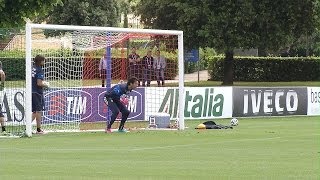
(125, 21)
(228, 68)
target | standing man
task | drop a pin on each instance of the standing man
(159, 66)
(3, 127)
(3, 78)
(115, 99)
(103, 69)
(38, 84)
(134, 65)
(147, 62)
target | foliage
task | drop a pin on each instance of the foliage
(85, 12)
(306, 45)
(228, 24)
(14, 68)
(12, 53)
(268, 69)
(13, 13)
(205, 55)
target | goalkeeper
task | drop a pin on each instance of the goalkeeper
(115, 100)
(38, 84)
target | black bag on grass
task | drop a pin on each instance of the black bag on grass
(212, 125)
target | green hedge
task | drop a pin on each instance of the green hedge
(15, 68)
(268, 68)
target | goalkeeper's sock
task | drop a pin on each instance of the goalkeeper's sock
(3, 128)
(121, 125)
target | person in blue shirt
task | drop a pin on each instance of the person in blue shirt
(113, 99)
(38, 84)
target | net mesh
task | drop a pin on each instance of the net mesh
(12, 96)
(82, 65)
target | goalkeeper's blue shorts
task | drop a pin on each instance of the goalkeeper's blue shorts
(37, 102)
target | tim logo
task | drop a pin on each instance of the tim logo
(135, 105)
(67, 105)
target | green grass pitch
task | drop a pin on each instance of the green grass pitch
(258, 148)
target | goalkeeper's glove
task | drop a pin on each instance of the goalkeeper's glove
(1, 86)
(124, 101)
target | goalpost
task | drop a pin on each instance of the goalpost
(81, 59)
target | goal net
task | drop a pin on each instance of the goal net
(82, 63)
(12, 83)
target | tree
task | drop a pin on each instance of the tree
(13, 13)
(228, 24)
(85, 12)
(126, 7)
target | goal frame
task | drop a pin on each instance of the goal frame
(30, 26)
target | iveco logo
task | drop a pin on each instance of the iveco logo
(68, 105)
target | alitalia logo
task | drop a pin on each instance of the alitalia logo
(199, 103)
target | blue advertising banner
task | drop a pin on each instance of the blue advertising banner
(86, 105)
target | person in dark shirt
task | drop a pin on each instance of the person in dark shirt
(147, 66)
(38, 84)
(134, 65)
(103, 69)
(115, 98)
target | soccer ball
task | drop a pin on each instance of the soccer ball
(234, 122)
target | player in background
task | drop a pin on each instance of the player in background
(134, 65)
(3, 78)
(102, 69)
(115, 98)
(159, 66)
(147, 62)
(38, 84)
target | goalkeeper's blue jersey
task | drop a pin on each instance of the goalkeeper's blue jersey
(117, 91)
(37, 73)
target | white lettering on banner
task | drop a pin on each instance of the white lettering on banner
(76, 105)
(245, 102)
(267, 108)
(313, 100)
(255, 103)
(292, 97)
(315, 96)
(277, 101)
(132, 106)
(270, 101)
(12, 105)
(204, 102)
